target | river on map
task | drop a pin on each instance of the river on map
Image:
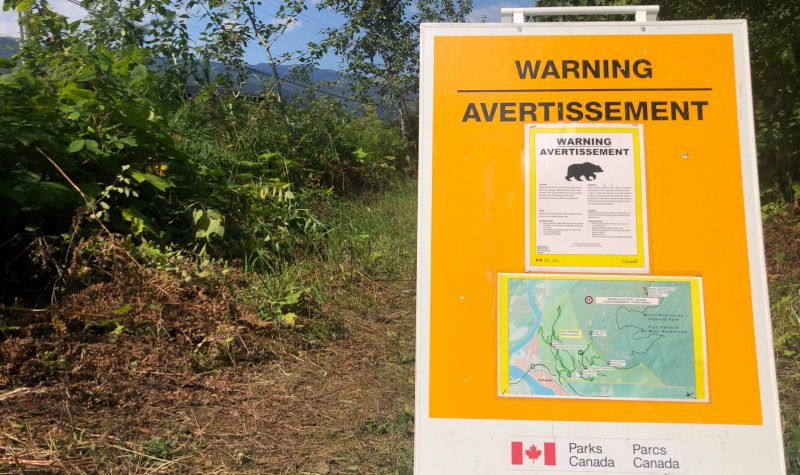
(537, 321)
(517, 373)
(536, 388)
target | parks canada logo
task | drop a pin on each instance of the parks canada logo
(541, 454)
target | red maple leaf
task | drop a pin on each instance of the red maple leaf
(533, 452)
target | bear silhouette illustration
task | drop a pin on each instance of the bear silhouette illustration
(586, 170)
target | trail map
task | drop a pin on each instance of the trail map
(602, 337)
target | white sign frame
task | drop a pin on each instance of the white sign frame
(475, 446)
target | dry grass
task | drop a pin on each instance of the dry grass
(142, 404)
(782, 242)
(145, 372)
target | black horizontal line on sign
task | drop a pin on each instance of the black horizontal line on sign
(611, 89)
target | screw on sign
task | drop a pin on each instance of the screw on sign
(588, 299)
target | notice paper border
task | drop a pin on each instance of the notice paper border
(698, 332)
(587, 262)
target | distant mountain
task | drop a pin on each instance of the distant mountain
(8, 46)
(320, 81)
(318, 75)
(259, 76)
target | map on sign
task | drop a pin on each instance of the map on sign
(607, 337)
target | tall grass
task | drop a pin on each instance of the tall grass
(374, 234)
(368, 250)
(785, 295)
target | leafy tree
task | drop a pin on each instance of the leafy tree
(774, 34)
(267, 33)
(379, 48)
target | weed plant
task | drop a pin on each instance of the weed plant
(97, 138)
(217, 176)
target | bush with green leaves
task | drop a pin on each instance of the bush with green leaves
(259, 165)
(95, 137)
(82, 138)
(311, 142)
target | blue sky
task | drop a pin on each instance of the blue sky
(313, 20)
(306, 29)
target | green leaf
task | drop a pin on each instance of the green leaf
(25, 5)
(112, 326)
(139, 74)
(76, 146)
(85, 74)
(92, 145)
(129, 141)
(75, 93)
(196, 215)
(216, 228)
(80, 48)
(208, 222)
(139, 222)
(123, 309)
(156, 181)
(293, 298)
(118, 330)
(214, 214)
(374, 256)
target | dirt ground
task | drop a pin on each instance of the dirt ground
(150, 374)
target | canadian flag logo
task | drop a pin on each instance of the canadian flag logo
(532, 454)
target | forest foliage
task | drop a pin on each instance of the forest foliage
(98, 135)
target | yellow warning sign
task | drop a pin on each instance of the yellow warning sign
(648, 139)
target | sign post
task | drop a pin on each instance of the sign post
(592, 290)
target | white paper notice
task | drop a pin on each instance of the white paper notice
(586, 197)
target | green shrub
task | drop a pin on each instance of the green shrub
(93, 139)
(82, 140)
